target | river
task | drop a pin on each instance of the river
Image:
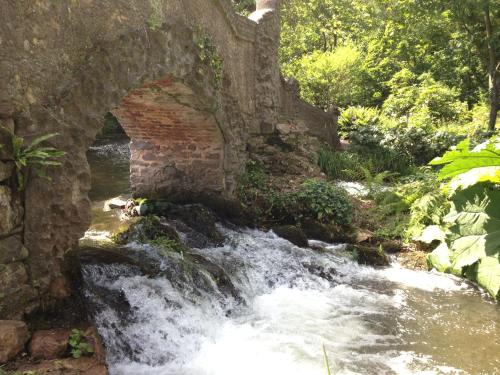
(295, 306)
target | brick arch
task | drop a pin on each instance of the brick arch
(177, 147)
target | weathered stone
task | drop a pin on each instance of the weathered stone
(12, 250)
(12, 275)
(13, 337)
(18, 301)
(49, 344)
(6, 169)
(293, 234)
(115, 203)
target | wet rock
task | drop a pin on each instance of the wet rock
(293, 234)
(13, 337)
(114, 204)
(195, 216)
(6, 169)
(326, 273)
(316, 231)
(12, 250)
(49, 344)
(370, 255)
(392, 247)
(69, 366)
(147, 229)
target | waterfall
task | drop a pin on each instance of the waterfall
(287, 304)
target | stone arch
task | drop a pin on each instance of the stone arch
(113, 78)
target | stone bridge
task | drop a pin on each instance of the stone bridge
(189, 80)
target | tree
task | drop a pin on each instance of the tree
(480, 20)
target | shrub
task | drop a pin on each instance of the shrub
(330, 78)
(324, 202)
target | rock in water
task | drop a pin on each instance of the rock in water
(13, 336)
(371, 255)
(293, 234)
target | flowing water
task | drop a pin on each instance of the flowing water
(293, 304)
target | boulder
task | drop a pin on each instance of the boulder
(146, 229)
(371, 255)
(7, 212)
(49, 344)
(293, 234)
(13, 337)
(195, 216)
(316, 231)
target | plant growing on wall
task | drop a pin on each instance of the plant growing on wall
(210, 56)
(33, 157)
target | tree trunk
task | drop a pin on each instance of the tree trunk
(493, 66)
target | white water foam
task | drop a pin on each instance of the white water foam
(292, 311)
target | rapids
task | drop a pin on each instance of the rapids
(293, 303)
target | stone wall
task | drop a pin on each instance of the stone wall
(66, 63)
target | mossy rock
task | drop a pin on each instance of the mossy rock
(293, 234)
(145, 230)
(370, 255)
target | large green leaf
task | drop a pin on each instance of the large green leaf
(474, 234)
(488, 275)
(462, 159)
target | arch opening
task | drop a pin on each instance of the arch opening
(176, 145)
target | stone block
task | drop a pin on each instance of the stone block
(13, 337)
(12, 250)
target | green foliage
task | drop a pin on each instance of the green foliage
(330, 78)
(324, 202)
(156, 18)
(33, 157)
(351, 165)
(244, 7)
(210, 56)
(78, 344)
(313, 199)
(463, 160)
(472, 245)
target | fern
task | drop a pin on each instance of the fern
(34, 155)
